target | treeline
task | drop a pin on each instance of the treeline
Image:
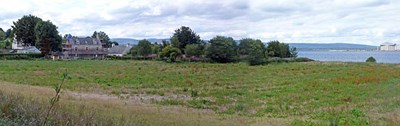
(185, 44)
(33, 31)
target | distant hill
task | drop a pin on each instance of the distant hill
(124, 41)
(331, 46)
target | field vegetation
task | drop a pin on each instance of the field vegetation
(149, 92)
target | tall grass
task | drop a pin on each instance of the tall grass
(27, 105)
(303, 93)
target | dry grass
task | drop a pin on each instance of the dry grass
(105, 110)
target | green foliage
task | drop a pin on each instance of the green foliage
(2, 34)
(175, 42)
(25, 29)
(55, 98)
(156, 48)
(5, 44)
(293, 52)
(222, 49)
(371, 60)
(170, 53)
(278, 49)
(47, 38)
(194, 49)
(246, 46)
(253, 50)
(9, 33)
(303, 59)
(20, 56)
(200, 104)
(144, 48)
(115, 43)
(184, 36)
(103, 38)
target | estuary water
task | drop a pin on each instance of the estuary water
(352, 56)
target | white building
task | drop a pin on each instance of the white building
(120, 50)
(387, 46)
(17, 47)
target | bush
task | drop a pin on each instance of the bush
(371, 60)
(282, 50)
(222, 49)
(194, 50)
(303, 59)
(20, 56)
(170, 53)
(253, 61)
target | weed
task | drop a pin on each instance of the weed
(56, 98)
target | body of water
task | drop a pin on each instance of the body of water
(352, 56)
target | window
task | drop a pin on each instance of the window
(87, 48)
(76, 48)
(97, 48)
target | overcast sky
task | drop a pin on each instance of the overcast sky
(292, 21)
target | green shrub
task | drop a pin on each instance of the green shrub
(371, 60)
(170, 53)
(20, 56)
(303, 59)
(200, 104)
(222, 49)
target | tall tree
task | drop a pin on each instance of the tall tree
(144, 47)
(25, 29)
(222, 49)
(278, 49)
(9, 33)
(2, 34)
(185, 36)
(103, 38)
(47, 37)
(246, 46)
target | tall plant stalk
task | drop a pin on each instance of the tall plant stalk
(55, 98)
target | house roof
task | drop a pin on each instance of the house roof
(119, 49)
(86, 41)
(388, 44)
(30, 48)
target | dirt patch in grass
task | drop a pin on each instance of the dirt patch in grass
(39, 73)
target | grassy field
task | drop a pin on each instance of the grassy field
(313, 93)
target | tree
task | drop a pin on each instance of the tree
(25, 29)
(156, 48)
(115, 43)
(371, 60)
(194, 49)
(278, 49)
(103, 38)
(2, 34)
(47, 37)
(253, 50)
(293, 52)
(245, 46)
(184, 36)
(222, 49)
(170, 53)
(143, 48)
(9, 33)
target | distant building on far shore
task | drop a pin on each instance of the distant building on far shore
(387, 46)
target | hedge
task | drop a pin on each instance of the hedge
(20, 56)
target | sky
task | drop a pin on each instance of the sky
(291, 21)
